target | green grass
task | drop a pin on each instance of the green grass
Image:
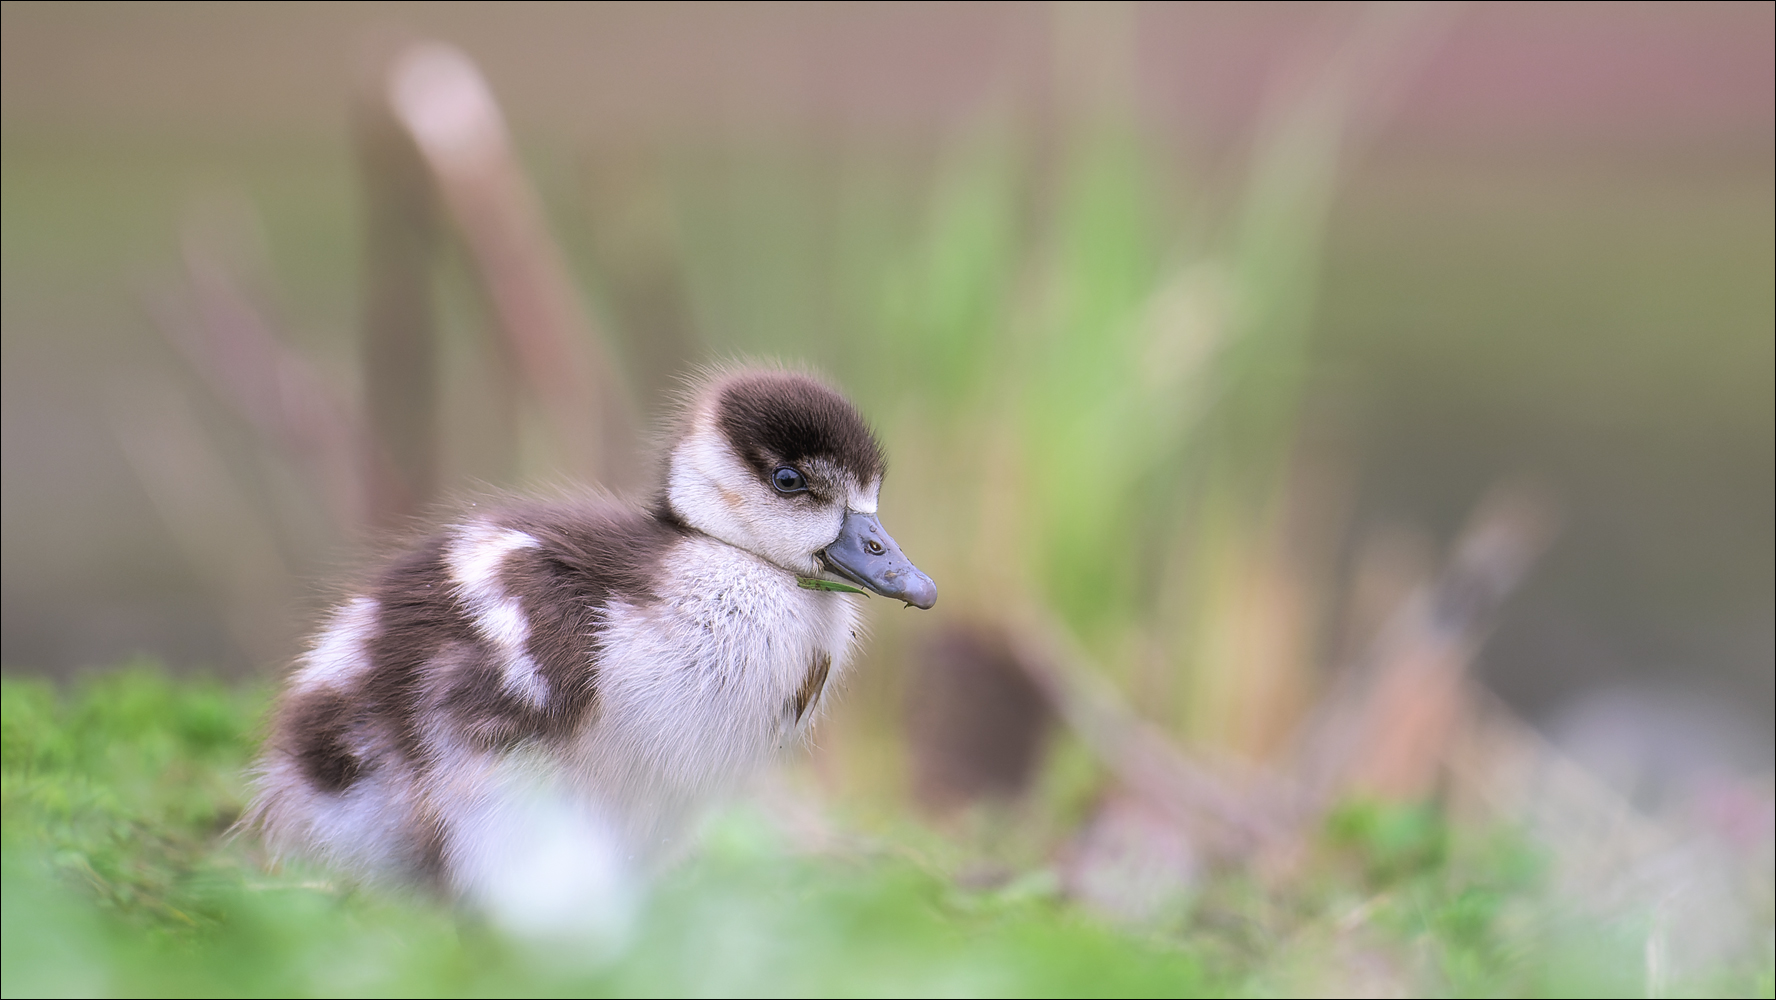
(121, 877)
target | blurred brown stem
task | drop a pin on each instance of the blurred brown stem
(399, 337)
(443, 108)
(1223, 819)
(1390, 732)
(1387, 731)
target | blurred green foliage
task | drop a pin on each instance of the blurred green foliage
(1391, 841)
(121, 877)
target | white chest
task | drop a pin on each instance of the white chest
(698, 688)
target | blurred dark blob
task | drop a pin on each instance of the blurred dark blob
(976, 724)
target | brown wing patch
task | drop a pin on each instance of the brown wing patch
(812, 685)
(313, 728)
(470, 678)
(587, 554)
(418, 617)
(426, 655)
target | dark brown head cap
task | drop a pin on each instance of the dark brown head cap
(773, 418)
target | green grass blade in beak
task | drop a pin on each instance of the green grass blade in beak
(867, 556)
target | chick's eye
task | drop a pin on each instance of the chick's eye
(788, 480)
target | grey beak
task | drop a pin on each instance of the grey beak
(868, 557)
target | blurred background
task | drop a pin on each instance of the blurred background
(1205, 340)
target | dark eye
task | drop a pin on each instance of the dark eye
(788, 480)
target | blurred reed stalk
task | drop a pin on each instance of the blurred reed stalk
(435, 160)
(1390, 730)
(433, 138)
(398, 340)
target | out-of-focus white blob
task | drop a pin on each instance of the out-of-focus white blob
(1700, 769)
(1663, 749)
(550, 873)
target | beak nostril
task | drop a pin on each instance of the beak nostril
(874, 547)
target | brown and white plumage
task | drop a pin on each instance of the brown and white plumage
(620, 665)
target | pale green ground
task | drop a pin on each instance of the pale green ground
(121, 879)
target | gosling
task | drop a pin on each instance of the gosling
(626, 664)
